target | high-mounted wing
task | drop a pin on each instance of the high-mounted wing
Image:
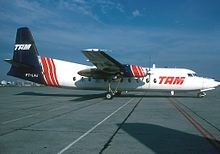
(109, 68)
(102, 61)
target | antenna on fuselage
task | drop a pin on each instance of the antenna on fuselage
(149, 70)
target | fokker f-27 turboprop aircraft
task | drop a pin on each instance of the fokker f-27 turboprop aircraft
(106, 74)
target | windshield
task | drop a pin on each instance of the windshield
(192, 74)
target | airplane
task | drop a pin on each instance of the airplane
(107, 73)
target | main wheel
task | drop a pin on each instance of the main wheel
(108, 95)
(118, 93)
(201, 94)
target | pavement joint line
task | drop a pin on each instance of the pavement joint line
(21, 118)
(205, 133)
(54, 109)
(38, 106)
(32, 124)
(126, 118)
(31, 108)
(94, 127)
(48, 130)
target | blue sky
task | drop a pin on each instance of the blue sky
(184, 33)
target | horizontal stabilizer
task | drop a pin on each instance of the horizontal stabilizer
(18, 64)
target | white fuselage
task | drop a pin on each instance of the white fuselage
(158, 79)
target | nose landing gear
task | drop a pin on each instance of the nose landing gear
(201, 94)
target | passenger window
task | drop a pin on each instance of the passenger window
(147, 80)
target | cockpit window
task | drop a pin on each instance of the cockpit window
(194, 74)
(190, 75)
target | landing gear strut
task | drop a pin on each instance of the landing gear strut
(111, 93)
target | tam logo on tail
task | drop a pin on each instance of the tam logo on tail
(22, 47)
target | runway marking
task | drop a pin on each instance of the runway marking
(51, 110)
(94, 127)
(205, 133)
(13, 120)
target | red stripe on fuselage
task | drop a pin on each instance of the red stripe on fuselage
(40, 59)
(144, 73)
(51, 71)
(55, 72)
(140, 71)
(134, 70)
(46, 71)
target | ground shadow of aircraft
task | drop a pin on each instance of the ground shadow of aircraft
(156, 95)
(80, 97)
(164, 140)
(83, 97)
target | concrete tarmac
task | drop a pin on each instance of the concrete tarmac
(35, 120)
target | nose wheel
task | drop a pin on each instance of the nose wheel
(201, 94)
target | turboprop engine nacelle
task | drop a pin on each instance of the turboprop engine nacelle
(93, 72)
(134, 71)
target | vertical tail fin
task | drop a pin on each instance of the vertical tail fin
(25, 63)
(25, 50)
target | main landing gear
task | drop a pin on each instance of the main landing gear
(109, 95)
(111, 92)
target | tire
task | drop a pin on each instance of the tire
(108, 96)
(118, 93)
(201, 94)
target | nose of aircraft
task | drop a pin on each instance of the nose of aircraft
(217, 83)
(210, 83)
